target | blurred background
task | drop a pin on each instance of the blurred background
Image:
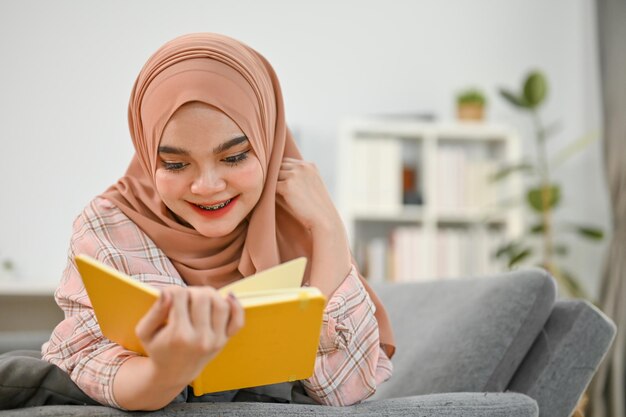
(392, 72)
(69, 67)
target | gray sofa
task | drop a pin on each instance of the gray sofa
(495, 346)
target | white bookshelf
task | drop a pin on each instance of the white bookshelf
(451, 220)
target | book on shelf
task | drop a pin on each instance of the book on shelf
(406, 244)
(463, 179)
(277, 343)
(376, 266)
(410, 253)
(377, 173)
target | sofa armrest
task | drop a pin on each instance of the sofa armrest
(564, 357)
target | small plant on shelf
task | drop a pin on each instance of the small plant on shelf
(7, 268)
(543, 196)
(471, 104)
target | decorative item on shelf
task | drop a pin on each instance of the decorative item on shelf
(471, 105)
(543, 196)
(7, 269)
(410, 189)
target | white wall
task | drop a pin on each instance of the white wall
(68, 67)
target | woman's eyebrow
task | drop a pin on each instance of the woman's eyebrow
(173, 150)
(229, 144)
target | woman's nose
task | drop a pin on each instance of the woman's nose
(208, 182)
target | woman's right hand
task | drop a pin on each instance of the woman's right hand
(186, 328)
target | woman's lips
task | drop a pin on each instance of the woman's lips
(217, 212)
(214, 206)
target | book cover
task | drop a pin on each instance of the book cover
(277, 343)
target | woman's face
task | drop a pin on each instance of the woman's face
(207, 172)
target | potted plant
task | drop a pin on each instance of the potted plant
(543, 196)
(471, 104)
(7, 269)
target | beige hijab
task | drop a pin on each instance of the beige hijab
(224, 73)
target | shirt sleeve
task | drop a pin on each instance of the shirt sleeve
(77, 344)
(350, 363)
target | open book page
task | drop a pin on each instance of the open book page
(285, 275)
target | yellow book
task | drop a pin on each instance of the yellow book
(277, 343)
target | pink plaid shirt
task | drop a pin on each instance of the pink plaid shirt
(349, 364)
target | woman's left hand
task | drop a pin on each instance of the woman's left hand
(301, 190)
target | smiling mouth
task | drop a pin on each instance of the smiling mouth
(215, 206)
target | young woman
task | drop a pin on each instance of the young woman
(216, 191)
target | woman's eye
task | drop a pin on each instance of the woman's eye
(174, 166)
(235, 159)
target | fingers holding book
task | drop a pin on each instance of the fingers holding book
(237, 317)
(187, 327)
(215, 318)
(154, 319)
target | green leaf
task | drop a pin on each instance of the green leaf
(473, 95)
(514, 99)
(572, 285)
(505, 249)
(536, 229)
(508, 170)
(536, 196)
(591, 233)
(535, 89)
(575, 147)
(8, 265)
(519, 256)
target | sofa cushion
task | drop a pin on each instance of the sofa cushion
(438, 405)
(466, 335)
